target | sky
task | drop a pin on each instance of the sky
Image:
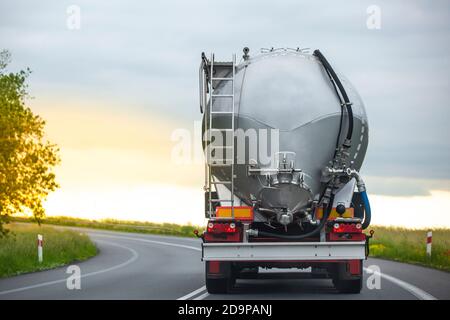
(115, 86)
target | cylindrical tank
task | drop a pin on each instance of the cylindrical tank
(291, 93)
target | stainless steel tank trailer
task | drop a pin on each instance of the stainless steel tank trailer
(308, 205)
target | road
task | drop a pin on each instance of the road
(139, 266)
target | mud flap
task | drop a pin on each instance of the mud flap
(218, 269)
(351, 270)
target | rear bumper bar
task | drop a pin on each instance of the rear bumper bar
(283, 251)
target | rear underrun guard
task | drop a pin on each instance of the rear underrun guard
(284, 251)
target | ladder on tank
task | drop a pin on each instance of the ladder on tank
(217, 73)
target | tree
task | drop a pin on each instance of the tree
(26, 157)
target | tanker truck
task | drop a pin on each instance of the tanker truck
(284, 138)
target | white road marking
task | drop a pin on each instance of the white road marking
(193, 293)
(149, 241)
(138, 235)
(419, 293)
(203, 296)
(134, 256)
(187, 296)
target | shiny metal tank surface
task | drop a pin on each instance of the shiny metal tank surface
(291, 93)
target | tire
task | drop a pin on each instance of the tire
(348, 286)
(217, 285)
(221, 285)
(344, 283)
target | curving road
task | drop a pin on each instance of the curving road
(138, 266)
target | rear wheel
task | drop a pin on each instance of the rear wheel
(222, 284)
(346, 282)
(348, 286)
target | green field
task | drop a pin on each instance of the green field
(171, 229)
(409, 245)
(18, 250)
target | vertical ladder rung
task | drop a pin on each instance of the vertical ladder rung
(222, 79)
(221, 160)
(221, 182)
(222, 95)
(224, 130)
(222, 112)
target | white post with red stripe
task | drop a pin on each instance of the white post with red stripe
(40, 242)
(429, 240)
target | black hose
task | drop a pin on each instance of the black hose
(367, 210)
(336, 80)
(338, 137)
(326, 213)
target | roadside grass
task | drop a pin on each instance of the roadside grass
(18, 250)
(171, 229)
(409, 245)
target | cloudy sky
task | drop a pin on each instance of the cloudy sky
(114, 90)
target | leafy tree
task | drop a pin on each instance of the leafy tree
(26, 157)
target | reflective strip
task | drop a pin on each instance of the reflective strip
(214, 267)
(240, 213)
(349, 213)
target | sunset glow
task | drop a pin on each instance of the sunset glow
(119, 166)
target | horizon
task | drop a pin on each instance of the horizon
(136, 222)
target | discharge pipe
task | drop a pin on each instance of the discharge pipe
(361, 189)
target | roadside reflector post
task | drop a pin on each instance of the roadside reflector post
(429, 240)
(40, 240)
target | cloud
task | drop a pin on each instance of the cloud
(404, 187)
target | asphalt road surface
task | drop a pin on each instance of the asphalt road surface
(138, 266)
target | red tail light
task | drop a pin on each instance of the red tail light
(347, 228)
(222, 227)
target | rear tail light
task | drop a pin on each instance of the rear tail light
(347, 228)
(230, 228)
(221, 227)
